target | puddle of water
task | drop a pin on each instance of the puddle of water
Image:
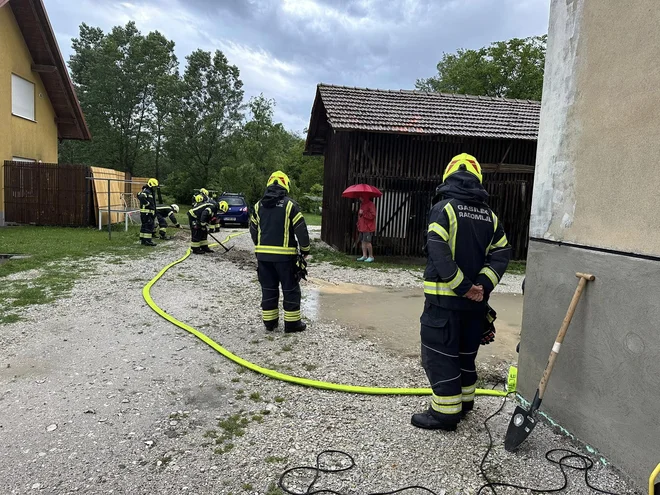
(391, 317)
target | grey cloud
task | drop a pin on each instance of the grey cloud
(374, 43)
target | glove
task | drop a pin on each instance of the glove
(488, 334)
(301, 268)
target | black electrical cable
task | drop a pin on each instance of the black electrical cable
(587, 465)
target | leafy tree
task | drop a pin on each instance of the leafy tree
(116, 76)
(210, 111)
(511, 69)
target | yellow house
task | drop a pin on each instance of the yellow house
(38, 104)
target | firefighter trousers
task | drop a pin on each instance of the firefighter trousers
(450, 342)
(147, 227)
(271, 275)
(162, 226)
(198, 235)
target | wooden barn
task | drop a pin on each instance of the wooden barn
(401, 141)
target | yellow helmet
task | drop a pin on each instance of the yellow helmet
(204, 191)
(279, 178)
(223, 206)
(199, 198)
(152, 182)
(463, 163)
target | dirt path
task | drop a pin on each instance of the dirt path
(99, 395)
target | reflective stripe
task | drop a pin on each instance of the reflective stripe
(490, 273)
(468, 393)
(270, 314)
(287, 223)
(146, 210)
(456, 281)
(292, 316)
(496, 221)
(500, 244)
(297, 218)
(147, 235)
(438, 289)
(304, 249)
(452, 228)
(258, 222)
(446, 399)
(204, 243)
(440, 230)
(275, 250)
(448, 408)
(195, 244)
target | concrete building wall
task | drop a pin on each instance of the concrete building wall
(597, 188)
(20, 137)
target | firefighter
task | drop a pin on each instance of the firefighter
(467, 254)
(214, 226)
(199, 217)
(163, 212)
(147, 199)
(275, 224)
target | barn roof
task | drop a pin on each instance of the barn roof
(343, 108)
(47, 60)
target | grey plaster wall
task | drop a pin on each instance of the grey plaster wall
(596, 180)
(604, 387)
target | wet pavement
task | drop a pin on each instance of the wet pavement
(390, 317)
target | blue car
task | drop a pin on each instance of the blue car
(238, 209)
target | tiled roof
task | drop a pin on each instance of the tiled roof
(421, 112)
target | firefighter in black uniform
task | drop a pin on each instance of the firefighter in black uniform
(468, 253)
(275, 225)
(147, 199)
(199, 217)
(164, 212)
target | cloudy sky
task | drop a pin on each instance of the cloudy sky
(283, 48)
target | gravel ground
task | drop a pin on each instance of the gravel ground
(100, 395)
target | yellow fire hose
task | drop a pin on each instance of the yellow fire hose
(306, 382)
(652, 484)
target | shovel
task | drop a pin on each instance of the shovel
(523, 422)
(221, 244)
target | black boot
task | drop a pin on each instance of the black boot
(197, 250)
(207, 249)
(467, 407)
(271, 325)
(148, 242)
(429, 421)
(297, 326)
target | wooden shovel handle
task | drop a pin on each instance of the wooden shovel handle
(584, 277)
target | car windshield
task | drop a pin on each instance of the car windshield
(233, 201)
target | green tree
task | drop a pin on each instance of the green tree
(116, 76)
(209, 113)
(511, 69)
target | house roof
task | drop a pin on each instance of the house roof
(343, 108)
(47, 60)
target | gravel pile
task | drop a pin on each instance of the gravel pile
(100, 395)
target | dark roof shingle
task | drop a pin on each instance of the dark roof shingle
(420, 112)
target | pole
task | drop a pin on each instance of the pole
(109, 223)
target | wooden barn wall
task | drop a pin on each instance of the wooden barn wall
(407, 169)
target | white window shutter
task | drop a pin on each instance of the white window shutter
(22, 97)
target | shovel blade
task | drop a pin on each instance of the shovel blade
(521, 425)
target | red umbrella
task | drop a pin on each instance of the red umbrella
(359, 190)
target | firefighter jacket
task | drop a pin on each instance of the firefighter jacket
(147, 200)
(167, 212)
(200, 214)
(466, 245)
(275, 225)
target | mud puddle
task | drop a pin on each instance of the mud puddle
(390, 317)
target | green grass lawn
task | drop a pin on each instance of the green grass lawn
(56, 253)
(312, 218)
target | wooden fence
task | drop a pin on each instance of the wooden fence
(46, 193)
